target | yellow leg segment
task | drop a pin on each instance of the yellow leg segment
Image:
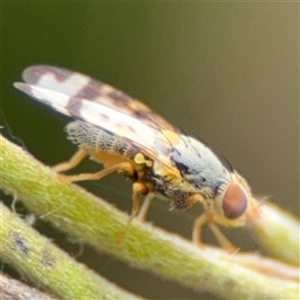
(222, 239)
(124, 166)
(74, 161)
(197, 230)
(207, 217)
(138, 189)
(145, 207)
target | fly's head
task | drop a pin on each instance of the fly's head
(233, 201)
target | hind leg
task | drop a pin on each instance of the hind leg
(124, 166)
(74, 161)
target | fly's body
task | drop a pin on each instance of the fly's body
(126, 135)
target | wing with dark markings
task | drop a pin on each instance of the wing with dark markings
(77, 85)
(102, 105)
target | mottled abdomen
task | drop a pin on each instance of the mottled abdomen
(100, 144)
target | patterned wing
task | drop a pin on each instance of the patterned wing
(86, 99)
(77, 85)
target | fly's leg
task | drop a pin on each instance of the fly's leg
(222, 239)
(145, 207)
(74, 161)
(197, 230)
(138, 189)
(124, 166)
(207, 217)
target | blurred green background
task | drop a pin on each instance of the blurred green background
(228, 72)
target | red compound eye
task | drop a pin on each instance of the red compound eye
(234, 201)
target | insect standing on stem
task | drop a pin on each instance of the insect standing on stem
(126, 135)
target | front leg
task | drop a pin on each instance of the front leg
(208, 217)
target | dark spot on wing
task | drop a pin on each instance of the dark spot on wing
(105, 117)
(33, 74)
(95, 89)
(130, 128)
(91, 90)
(140, 114)
(21, 242)
(119, 96)
(60, 74)
(74, 106)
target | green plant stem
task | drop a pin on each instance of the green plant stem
(81, 214)
(279, 232)
(41, 261)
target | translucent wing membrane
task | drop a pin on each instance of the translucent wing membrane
(86, 99)
(73, 84)
(77, 85)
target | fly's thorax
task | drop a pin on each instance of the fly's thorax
(168, 181)
(232, 202)
(199, 166)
